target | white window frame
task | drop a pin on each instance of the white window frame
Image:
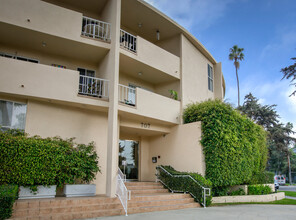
(85, 71)
(13, 103)
(210, 78)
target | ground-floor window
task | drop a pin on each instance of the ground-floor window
(12, 115)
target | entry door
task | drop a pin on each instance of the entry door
(129, 159)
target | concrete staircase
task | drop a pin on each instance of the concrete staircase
(151, 197)
(146, 197)
(66, 208)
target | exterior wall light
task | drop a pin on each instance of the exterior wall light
(157, 35)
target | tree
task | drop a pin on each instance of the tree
(279, 135)
(290, 73)
(237, 55)
(264, 115)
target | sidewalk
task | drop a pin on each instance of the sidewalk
(235, 212)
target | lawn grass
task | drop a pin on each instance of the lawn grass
(278, 202)
(289, 193)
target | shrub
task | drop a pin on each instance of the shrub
(234, 147)
(258, 190)
(220, 190)
(185, 184)
(263, 178)
(32, 161)
(8, 194)
(239, 192)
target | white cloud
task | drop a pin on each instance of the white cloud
(198, 14)
(285, 40)
(268, 93)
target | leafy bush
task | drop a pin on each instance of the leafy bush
(220, 190)
(234, 147)
(263, 178)
(32, 161)
(239, 192)
(8, 194)
(186, 184)
(258, 190)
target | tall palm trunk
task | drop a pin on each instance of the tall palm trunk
(238, 99)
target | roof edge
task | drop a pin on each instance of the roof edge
(185, 32)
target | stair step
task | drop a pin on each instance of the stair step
(148, 191)
(160, 196)
(75, 215)
(133, 204)
(162, 208)
(139, 187)
(67, 209)
(142, 183)
(64, 202)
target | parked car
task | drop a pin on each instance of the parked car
(280, 179)
(276, 186)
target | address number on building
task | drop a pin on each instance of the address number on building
(145, 125)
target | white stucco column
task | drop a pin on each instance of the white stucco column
(112, 14)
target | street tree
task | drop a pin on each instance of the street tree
(279, 137)
(290, 73)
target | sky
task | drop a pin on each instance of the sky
(266, 29)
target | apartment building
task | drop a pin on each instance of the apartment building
(116, 72)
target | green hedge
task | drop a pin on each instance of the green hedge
(32, 161)
(258, 190)
(185, 184)
(8, 194)
(263, 178)
(239, 192)
(234, 147)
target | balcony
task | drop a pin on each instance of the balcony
(95, 87)
(149, 54)
(128, 41)
(96, 29)
(127, 95)
(51, 23)
(148, 104)
(48, 83)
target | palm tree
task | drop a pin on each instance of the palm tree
(236, 54)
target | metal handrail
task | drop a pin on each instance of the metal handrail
(206, 191)
(122, 192)
(123, 176)
(128, 41)
(96, 29)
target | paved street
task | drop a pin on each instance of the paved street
(235, 212)
(287, 188)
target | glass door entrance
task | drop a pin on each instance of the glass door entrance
(129, 159)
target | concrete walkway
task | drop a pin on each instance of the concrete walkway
(290, 197)
(244, 212)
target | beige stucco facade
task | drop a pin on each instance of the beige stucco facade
(124, 91)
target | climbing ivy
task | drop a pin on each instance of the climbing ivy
(234, 146)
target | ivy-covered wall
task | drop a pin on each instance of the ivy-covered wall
(235, 147)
